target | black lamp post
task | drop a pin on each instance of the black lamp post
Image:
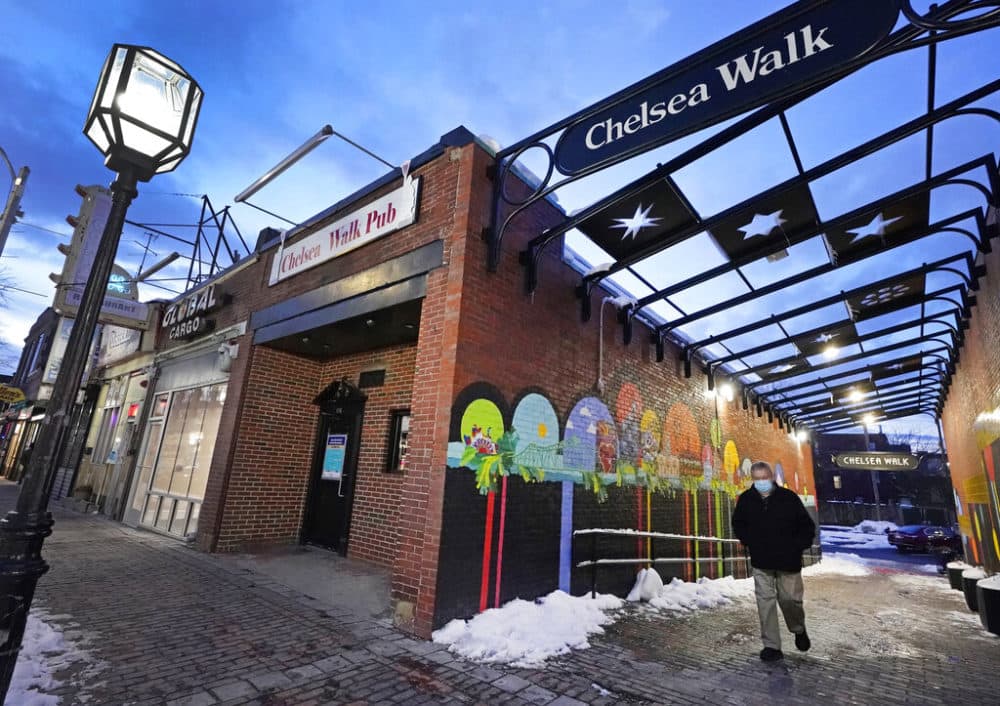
(142, 119)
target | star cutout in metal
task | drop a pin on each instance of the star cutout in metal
(762, 224)
(639, 220)
(877, 227)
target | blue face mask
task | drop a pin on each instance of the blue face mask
(763, 486)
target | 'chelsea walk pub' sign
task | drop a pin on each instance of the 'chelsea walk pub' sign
(795, 48)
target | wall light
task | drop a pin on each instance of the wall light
(727, 391)
(831, 352)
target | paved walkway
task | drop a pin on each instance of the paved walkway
(166, 625)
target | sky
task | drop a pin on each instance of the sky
(395, 77)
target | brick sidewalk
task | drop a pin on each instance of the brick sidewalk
(171, 626)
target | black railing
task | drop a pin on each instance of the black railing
(594, 563)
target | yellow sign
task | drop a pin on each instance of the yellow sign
(10, 395)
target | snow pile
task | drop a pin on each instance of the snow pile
(648, 585)
(974, 573)
(44, 652)
(525, 633)
(991, 584)
(681, 596)
(959, 565)
(874, 527)
(853, 539)
(704, 593)
(838, 564)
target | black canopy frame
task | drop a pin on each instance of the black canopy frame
(930, 336)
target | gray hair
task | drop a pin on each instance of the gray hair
(762, 466)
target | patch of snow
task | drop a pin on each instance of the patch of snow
(601, 690)
(959, 565)
(991, 584)
(975, 573)
(648, 585)
(623, 301)
(851, 539)
(44, 652)
(838, 564)
(525, 633)
(682, 596)
(874, 527)
(597, 269)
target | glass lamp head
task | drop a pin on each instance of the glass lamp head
(144, 111)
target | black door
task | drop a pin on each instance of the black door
(335, 461)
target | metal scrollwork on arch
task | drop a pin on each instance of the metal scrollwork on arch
(935, 22)
(883, 37)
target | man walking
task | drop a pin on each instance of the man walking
(775, 527)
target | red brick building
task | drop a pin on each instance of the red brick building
(392, 399)
(971, 423)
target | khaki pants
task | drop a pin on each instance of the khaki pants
(773, 589)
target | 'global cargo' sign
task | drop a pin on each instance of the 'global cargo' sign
(788, 51)
(876, 461)
(393, 211)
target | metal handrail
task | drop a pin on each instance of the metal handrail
(594, 562)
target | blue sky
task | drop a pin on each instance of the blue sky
(395, 76)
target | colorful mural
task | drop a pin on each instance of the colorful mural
(977, 501)
(649, 472)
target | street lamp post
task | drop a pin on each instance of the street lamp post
(142, 118)
(866, 420)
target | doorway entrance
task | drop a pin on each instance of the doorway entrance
(334, 469)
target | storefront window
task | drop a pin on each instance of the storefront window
(399, 430)
(180, 472)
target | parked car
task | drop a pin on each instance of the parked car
(925, 538)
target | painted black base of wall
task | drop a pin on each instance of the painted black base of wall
(530, 551)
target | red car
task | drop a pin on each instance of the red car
(924, 538)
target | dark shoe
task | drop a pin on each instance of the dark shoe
(769, 654)
(802, 642)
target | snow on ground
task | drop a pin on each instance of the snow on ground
(839, 564)
(874, 527)
(858, 537)
(525, 633)
(44, 652)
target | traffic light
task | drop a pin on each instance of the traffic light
(88, 225)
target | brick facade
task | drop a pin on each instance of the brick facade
(475, 327)
(971, 424)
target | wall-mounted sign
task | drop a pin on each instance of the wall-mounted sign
(393, 211)
(118, 342)
(876, 461)
(186, 318)
(10, 395)
(120, 306)
(791, 50)
(333, 457)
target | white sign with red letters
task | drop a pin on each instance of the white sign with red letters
(393, 211)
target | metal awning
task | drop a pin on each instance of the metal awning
(823, 289)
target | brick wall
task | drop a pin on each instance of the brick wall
(971, 424)
(226, 521)
(510, 343)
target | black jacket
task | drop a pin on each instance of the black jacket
(776, 529)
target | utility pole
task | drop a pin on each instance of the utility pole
(878, 510)
(11, 210)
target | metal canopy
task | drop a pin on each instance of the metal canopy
(818, 309)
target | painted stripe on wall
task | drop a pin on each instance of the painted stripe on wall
(566, 536)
